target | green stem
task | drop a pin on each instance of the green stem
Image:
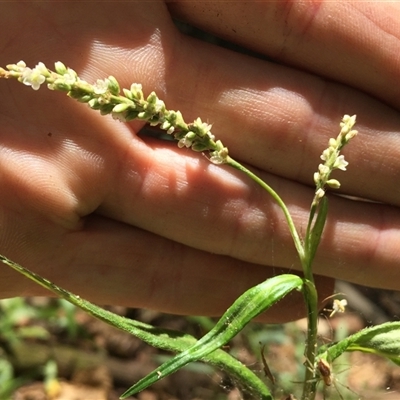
(309, 289)
(313, 210)
(296, 238)
(311, 300)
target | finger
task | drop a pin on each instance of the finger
(340, 254)
(111, 263)
(356, 43)
(233, 192)
(271, 112)
(267, 114)
(216, 209)
(179, 195)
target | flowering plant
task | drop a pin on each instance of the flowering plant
(105, 96)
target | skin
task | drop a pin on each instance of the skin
(122, 219)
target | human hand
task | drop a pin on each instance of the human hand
(126, 220)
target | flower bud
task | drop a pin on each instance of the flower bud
(119, 108)
(113, 86)
(333, 183)
(60, 68)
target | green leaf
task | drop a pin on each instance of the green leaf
(383, 340)
(244, 309)
(161, 338)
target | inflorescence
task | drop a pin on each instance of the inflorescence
(105, 96)
(332, 158)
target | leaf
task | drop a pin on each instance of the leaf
(244, 309)
(161, 338)
(383, 340)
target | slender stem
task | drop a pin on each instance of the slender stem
(311, 300)
(309, 289)
(296, 238)
(313, 209)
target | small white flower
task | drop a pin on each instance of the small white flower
(350, 135)
(136, 89)
(42, 69)
(341, 163)
(349, 120)
(165, 125)
(219, 156)
(32, 77)
(217, 159)
(101, 86)
(159, 106)
(202, 127)
(339, 306)
(323, 169)
(320, 193)
(21, 64)
(326, 154)
(317, 177)
(70, 77)
(347, 124)
(185, 142)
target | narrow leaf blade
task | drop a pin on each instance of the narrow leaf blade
(161, 338)
(244, 309)
(383, 340)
